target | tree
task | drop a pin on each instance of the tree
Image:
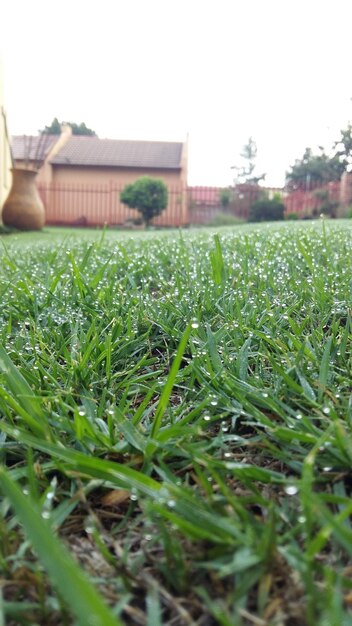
(343, 147)
(267, 210)
(147, 195)
(314, 169)
(77, 129)
(245, 174)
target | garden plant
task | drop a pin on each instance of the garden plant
(147, 195)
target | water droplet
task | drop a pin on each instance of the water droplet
(171, 503)
(299, 416)
(46, 514)
(291, 490)
(81, 412)
(326, 410)
(148, 537)
(265, 395)
(133, 497)
(327, 468)
(89, 529)
(301, 519)
(213, 401)
(207, 418)
(194, 323)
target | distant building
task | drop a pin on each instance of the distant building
(83, 159)
(89, 165)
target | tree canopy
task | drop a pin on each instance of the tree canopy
(315, 169)
(77, 129)
(343, 147)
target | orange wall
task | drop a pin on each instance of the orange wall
(93, 194)
(119, 177)
(102, 175)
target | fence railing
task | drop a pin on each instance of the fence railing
(310, 202)
(99, 204)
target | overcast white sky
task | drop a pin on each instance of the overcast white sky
(220, 70)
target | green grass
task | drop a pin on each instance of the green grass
(176, 424)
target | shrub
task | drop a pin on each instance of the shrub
(225, 219)
(225, 197)
(147, 195)
(266, 210)
(292, 216)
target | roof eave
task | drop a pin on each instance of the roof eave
(124, 167)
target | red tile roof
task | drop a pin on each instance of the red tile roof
(95, 152)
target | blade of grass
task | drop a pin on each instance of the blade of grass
(22, 392)
(66, 575)
(165, 396)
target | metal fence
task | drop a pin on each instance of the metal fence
(205, 203)
(306, 203)
(98, 204)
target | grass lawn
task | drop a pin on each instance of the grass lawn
(176, 421)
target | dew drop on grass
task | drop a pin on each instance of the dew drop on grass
(291, 490)
(171, 503)
(326, 410)
(327, 468)
(213, 401)
(299, 416)
(89, 529)
(81, 412)
(207, 418)
(46, 514)
(148, 537)
(134, 495)
(194, 323)
(301, 519)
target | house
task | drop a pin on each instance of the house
(5, 152)
(100, 168)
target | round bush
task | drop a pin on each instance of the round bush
(266, 211)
